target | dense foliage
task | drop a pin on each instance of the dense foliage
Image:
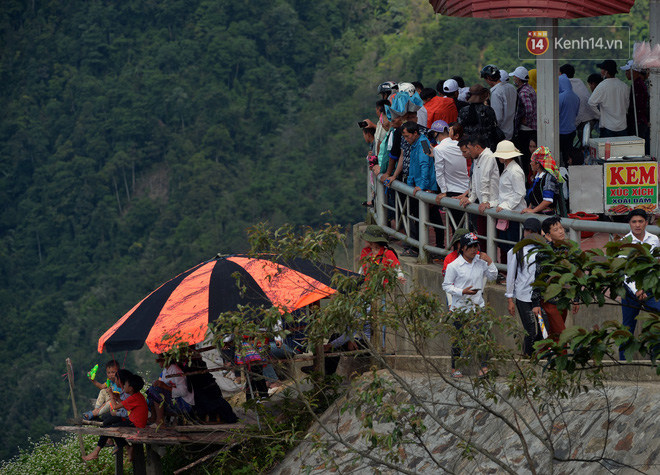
(139, 138)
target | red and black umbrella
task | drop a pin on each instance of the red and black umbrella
(185, 305)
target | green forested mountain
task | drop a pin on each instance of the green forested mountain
(139, 138)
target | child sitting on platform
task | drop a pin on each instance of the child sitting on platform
(102, 405)
(137, 409)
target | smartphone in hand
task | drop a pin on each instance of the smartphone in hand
(426, 147)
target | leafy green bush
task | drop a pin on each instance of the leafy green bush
(46, 456)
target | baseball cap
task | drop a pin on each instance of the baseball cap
(532, 224)
(450, 85)
(609, 66)
(469, 239)
(521, 73)
(439, 126)
(504, 76)
(629, 65)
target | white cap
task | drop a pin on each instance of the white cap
(504, 76)
(628, 65)
(521, 73)
(450, 85)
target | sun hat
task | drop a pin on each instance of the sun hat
(469, 239)
(506, 149)
(373, 233)
(477, 93)
(450, 85)
(458, 234)
(521, 73)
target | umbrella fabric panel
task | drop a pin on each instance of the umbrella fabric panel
(284, 286)
(130, 331)
(319, 271)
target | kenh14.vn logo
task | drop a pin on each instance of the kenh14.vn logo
(537, 42)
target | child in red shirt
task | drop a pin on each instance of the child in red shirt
(138, 412)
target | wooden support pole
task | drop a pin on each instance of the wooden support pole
(69, 374)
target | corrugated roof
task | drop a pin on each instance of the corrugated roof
(496, 9)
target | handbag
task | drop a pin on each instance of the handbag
(502, 224)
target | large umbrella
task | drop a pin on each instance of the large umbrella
(185, 305)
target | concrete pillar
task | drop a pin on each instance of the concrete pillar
(654, 34)
(547, 78)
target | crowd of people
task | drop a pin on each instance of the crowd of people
(479, 145)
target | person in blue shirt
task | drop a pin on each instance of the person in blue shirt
(421, 176)
(569, 105)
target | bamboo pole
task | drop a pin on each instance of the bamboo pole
(69, 373)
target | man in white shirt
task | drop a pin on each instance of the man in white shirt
(611, 97)
(484, 182)
(503, 97)
(450, 167)
(520, 273)
(464, 281)
(635, 299)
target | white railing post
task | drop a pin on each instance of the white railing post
(491, 233)
(423, 231)
(379, 205)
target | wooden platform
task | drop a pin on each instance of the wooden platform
(224, 435)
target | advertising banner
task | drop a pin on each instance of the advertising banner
(631, 186)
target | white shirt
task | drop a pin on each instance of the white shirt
(650, 239)
(178, 384)
(519, 280)
(503, 97)
(461, 274)
(585, 112)
(422, 116)
(485, 178)
(511, 194)
(450, 167)
(612, 97)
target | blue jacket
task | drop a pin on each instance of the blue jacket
(569, 104)
(422, 170)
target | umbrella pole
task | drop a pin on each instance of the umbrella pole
(247, 377)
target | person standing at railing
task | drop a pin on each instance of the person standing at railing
(484, 182)
(451, 174)
(543, 195)
(421, 176)
(511, 195)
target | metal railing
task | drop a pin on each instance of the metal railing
(404, 219)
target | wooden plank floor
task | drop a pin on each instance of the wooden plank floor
(173, 435)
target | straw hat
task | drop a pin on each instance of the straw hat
(506, 149)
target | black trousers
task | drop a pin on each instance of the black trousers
(434, 217)
(530, 324)
(113, 421)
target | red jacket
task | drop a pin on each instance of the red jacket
(441, 108)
